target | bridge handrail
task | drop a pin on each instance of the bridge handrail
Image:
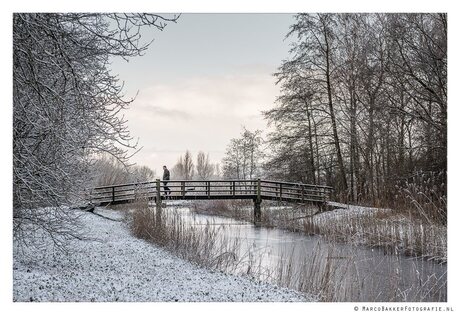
(295, 183)
(216, 181)
(202, 189)
(180, 181)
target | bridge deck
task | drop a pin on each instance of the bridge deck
(256, 190)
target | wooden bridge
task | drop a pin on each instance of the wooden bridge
(257, 190)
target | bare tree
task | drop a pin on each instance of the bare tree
(178, 169)
(109, 171)
(315, 54)
(142, 173)
(217, 171)
(243, 156)
(295, 139)
(189, 167)
(184, 168)
(66, 106)
(204, 169)
(232, 163)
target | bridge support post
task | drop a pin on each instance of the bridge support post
(257, 211)
(158, 191)
(158, 203)
(322, 206)
(257, 202)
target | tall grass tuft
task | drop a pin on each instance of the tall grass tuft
(202, 244)
(424, 196)
(238, 209)
(393, 232)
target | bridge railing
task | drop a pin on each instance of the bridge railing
(286, 191)
(211, 189)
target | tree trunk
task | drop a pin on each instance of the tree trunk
(343, 176)
(369, 151)
(354, 167)
(310, 143)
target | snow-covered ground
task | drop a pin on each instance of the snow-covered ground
(343, 209)
(115, 266)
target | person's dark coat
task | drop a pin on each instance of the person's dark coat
(166, 174)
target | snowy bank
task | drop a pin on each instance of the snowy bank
(115, 266)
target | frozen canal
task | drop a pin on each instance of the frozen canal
(342, 272)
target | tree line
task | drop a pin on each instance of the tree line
(363, 104)
(203, 169)
(362, 108)
(242, 160)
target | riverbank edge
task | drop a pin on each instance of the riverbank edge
(112, 265)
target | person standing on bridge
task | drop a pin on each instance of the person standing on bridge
(166, 177)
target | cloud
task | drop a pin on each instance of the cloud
(200, 113)
(169, 113)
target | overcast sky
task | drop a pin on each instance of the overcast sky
(200, 81)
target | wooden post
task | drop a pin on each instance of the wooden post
(113, 194)
(136, 191)
(183, 188)
(281, 191)
(158, 205)
(302, 193)
(323, 204)
(158, 198)
(257, 202)
(258, 190)
(233, 186)
(257, 211)
(208, 188)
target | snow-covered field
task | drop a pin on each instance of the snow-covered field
(115, 266)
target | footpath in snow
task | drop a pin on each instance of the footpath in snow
(115, 266)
